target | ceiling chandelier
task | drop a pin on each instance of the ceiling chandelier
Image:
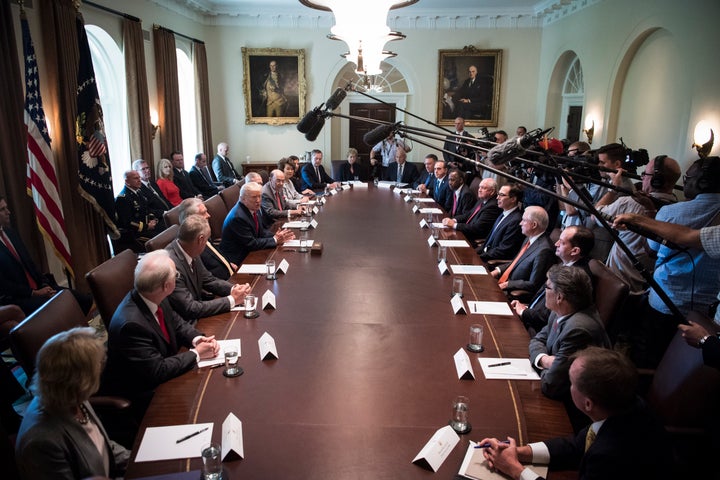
(362, 25)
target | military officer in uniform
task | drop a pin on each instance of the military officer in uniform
(134, 219)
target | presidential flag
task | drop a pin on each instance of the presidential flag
(41, 182)
(94, 165)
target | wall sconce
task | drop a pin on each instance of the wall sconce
(589, 131)
(704, 138)
(154, 122)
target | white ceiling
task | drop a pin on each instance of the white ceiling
(424, 13)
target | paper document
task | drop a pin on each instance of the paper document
(296, 243)
(253, 268)
(468, 270)
(438, 225)
(490, 308)
(219, 359)
(430, 210)
(425, 200)
(475, 466)
(296, 224)
(508, 369)
(453, 243)
(161, 443)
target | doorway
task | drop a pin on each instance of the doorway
(358, 128)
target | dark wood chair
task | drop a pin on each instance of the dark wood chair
(218, 211)
(172, 216)
(111, 281)
(611, 292)
(162, 239)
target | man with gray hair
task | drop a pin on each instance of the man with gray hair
(243, 230)
(254, 177)
(213, 260)
(222, 166)
(157, 203)
(573, 325)
(145, 334)
(274, 204)
(193, 278)
(476, 223)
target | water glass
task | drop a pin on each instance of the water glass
(212, 461)
(476, 335)
(457, 286)
(231, 360)
(250, 305)
(270, 265)
(442, 254)
(460, 409)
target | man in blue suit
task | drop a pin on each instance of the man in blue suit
(313, 174)
(400, 170)
(506, 237)
(440, 189)
(427, 176)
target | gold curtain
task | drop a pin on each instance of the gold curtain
(167, 91)
(87, 236)
(202, 94)
(13, 140)
(137, 91)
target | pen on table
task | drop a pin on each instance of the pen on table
(501, 364)
(191, 435)
(487, 445)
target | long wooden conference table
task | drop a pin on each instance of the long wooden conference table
(365, 335)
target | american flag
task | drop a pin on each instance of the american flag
(94, 162)
(41, 182)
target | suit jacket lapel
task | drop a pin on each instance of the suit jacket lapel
(153, 321)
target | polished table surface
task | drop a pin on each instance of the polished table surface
(365, 335)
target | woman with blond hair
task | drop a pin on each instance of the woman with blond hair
(60, 436)
(164, 176)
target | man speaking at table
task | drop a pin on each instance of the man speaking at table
(193, 278)
(145, 335)
(243, 229)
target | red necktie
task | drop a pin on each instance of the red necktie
(31, 281)
(477, 209)
(454, 204)
(161, 321)
(507, 272)
(257, 225)
(277, 197)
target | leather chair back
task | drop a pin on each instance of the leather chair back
(610, 291)
(60, 313)
(172, 216)
(218, 211)
(162, 239)
(111, 281)
(685, 393)
(474, 185)
(231, 195)
(10, 316)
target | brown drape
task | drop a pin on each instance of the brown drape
(87, 236)
(167, 92)
(137, 91)
(202, 95)
(13, 143)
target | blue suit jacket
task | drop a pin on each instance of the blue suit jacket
(504, 242)
(240, 236)
(440, 194)
(311, 181)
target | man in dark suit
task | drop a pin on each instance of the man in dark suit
(243, 229)
(427, 176)
(201, 178)
(477, 222)
(156, 201)
(314, 176)
(440, 189)
(573, 249)
(145, 335)
(136, 222)
(222, 166)
(505, 238)
(460, 199)
(21, 282)
(213, 260)
(462, 150)
(474, 98)
(181, 178)
(274, 205)
(400, 170)
(573, 325)
(527, 270)
(194, 279)
(624, 442)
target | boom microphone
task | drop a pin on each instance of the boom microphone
(509, 149)
(309, 120)
(335, 99)
(314, 131)
(378, 134)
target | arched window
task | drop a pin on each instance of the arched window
(109, 66)
(390, 80)
(188, 111)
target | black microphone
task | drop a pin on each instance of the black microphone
(378, 134)
(309, 120)
(314, 131)
(335, 99)
(509, 149)
(645, 233)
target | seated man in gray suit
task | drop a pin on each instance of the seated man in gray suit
(274, 204)
(193, 278)
(573, 325)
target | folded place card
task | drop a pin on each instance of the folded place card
(408, 198)
(283, 266)
(232, 440)
(268, 300)
(268, 350)
(463, 365)
(457, 304)
(434, 453)
(423, 223)
(415, 209)
(334, 192)
(316, 210)
(313, 223)
(442, 266)
(431, 241)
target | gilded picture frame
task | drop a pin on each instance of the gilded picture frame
(476, 99)
(274, 85)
